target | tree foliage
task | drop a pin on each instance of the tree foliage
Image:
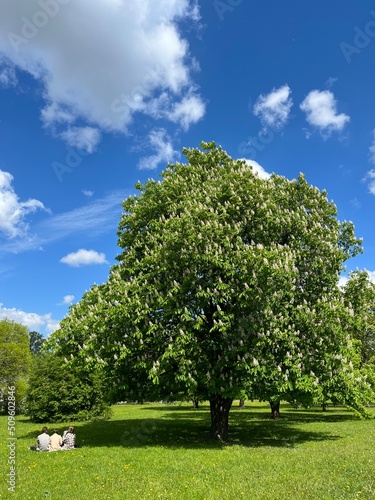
(36, 340)
(58, 393)
(14, 361)
(227, 284)
(359, 295)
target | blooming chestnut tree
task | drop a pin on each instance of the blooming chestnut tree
(226, 284)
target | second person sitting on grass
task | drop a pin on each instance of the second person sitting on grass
(55, 441)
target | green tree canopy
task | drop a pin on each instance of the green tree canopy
(14, 360)
(227, 284)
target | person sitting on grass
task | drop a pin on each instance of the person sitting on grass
(42, 441)
(68, 439)
(56, 441)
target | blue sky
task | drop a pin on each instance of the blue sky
(97, 95)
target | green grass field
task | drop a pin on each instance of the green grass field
(163, 451)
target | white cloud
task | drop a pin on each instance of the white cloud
(273, 109)
(118, 58)
(33, 321)
(159, 141)
(258, 169)
(190, 110)
(320, 108)
(83, 258)
(87, 192)
(370, 178)
(372, 148)
(13, 211)
(371, 275)
(85, 138)
(67, 300)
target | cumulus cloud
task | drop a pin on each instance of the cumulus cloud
(258, 169)
(83, 258)
(321, 112)
(33, 321)
(371, 275)
(87, 192)
(273, 109)
(12, 211)
(164, 152)
(67, 300)
(119, 57)
(190, 110)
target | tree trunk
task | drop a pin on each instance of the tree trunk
(195, 403)
(275, 409)
(219, 407)
(241, 404)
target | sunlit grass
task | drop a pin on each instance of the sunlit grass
(163, 451)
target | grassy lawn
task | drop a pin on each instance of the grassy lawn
(163, 451)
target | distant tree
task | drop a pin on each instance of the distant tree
(57, 392)
(359, 295)
(36, 340)
(227, 283)
(14, 361)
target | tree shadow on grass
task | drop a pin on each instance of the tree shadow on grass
(315, 414)
(182, 427)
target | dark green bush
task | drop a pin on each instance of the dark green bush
(58, 392)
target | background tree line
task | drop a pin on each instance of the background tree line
(46, 388)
